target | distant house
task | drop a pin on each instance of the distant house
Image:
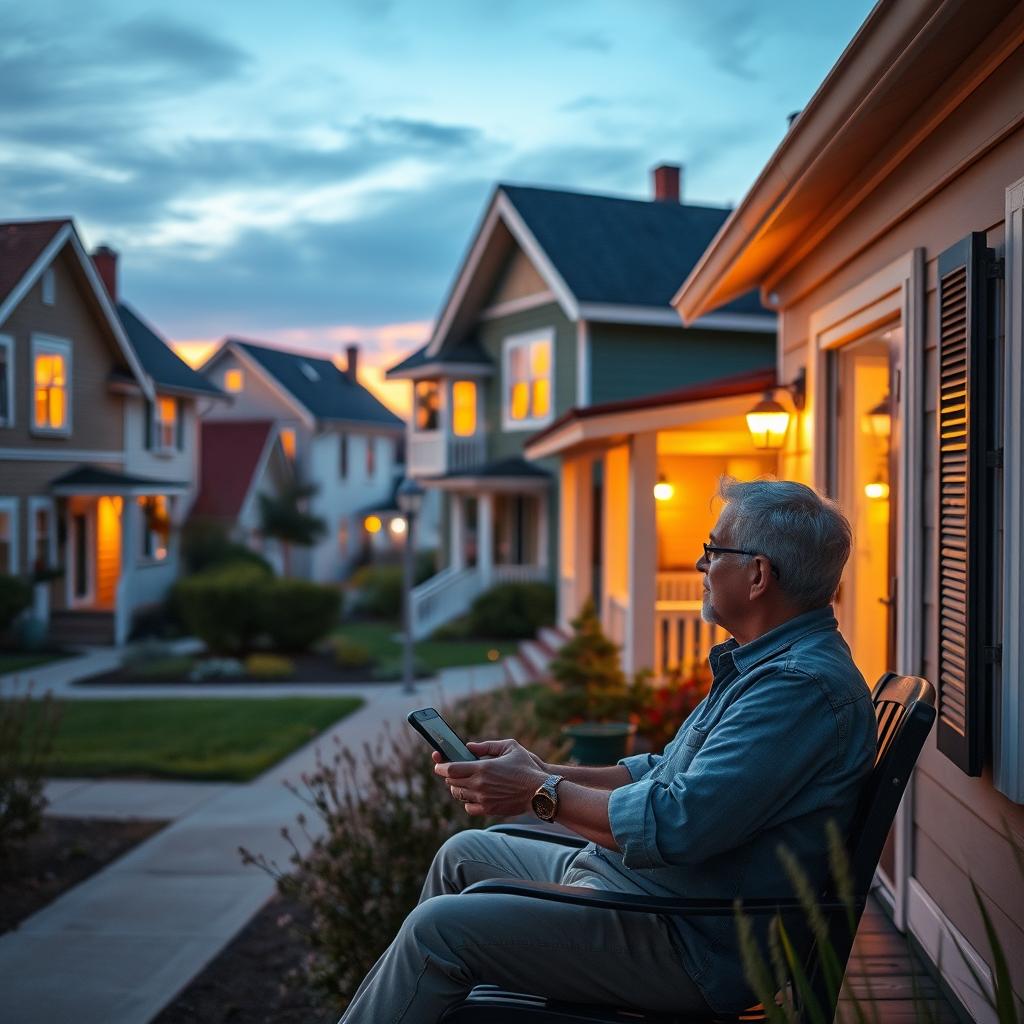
(563, 302)
(888, 230)
(338, 436)
(98, 421)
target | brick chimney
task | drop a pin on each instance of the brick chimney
(352, 362)
(104, 259)
(667, 180)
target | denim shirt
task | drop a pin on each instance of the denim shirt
(781, 744)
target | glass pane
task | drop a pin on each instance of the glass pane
(57, 370)
(464, 408)
(56, 407)
(540, 359)
(541, 397)
(41, 402)
(520, 404)
(427, 403)
(43, 370)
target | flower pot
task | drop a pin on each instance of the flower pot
(600, 743)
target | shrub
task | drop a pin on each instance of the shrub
(269, 666)
(349, 654)
(15, 597)
(205, 545)
(27, 731)
(512, 611)
(392, 668)
(297, 613)
(379, 591)
(224, 607)
(379, 816)
(171, 669)
(216, 668)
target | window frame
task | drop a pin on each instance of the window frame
(519, 341)
(160, 425)
(438, 390)
(46, 344)
(241, 380)
(34, 505)
(10, 505)
(7, 343)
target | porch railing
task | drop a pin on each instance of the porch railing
(465, 452)
(679, 585)
(434, 453)
(618, 615)
(519, 573)
(682, 639)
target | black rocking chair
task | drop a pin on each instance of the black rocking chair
(905, 709)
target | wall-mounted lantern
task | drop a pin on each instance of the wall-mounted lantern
(877, 490)
(768, 421)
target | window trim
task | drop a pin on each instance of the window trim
(10, 506)
(34, 504)
(520, 340)
(7, 342)
(48, 344)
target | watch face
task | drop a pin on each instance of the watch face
(543, 806)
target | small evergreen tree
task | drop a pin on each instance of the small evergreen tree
(285, 518)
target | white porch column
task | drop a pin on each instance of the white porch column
(456, 531)
(642, 552)
(485, 536)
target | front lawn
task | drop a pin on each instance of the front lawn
(230, 740)
(383, 641)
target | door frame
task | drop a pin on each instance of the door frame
(896, 292)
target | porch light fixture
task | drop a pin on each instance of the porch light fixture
(663, 490)
(372, 524)
(768, 421)
(877, 490)
(877, 421)
(397, 526)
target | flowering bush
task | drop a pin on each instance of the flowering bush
(664, 708)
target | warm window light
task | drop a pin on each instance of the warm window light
(877, 490)
(768, 422)
(397, 526)
(663, 490)
(464, 408)
(520, 400)
(877, 421)
(233, 381)
(372, 524)
(50, 391)
(288, 442)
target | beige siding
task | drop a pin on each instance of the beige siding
(97, 422)
(518, 279)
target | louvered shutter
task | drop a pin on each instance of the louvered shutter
(964, 606)
(179, 422)
(147, 413)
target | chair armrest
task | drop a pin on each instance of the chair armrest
(583, 896)
(539, 832)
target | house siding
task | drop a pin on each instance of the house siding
(628, 361)
(959, 823)
(518, 279)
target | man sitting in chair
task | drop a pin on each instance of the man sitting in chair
(780, 745)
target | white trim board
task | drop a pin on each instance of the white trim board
(520, 305)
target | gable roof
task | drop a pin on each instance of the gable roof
(27, 248)
(467, 357)
(233, 452)
(167, 369)
(319, 386)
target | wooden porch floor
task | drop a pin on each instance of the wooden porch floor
(884, 972)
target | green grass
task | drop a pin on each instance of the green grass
(21, 662)
(379, 638)
(231, 740)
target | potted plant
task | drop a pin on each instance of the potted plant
(590, 692)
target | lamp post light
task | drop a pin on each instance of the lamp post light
(410, 498)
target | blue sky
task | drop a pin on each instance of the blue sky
(311, 172)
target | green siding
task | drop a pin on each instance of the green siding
(632, 361)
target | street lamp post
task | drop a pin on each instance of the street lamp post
(410, 499)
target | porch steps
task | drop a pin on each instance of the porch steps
(534, 657)
(82, 628)
(516, 671)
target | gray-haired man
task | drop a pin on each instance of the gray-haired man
(780, 745)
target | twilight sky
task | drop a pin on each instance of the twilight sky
(310, 173)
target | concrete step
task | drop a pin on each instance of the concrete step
(515, 671)
(535, 657)
(552, 638)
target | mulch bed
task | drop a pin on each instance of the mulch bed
(309, 668)
(64, 852)
(247, 982)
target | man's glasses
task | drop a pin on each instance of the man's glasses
(713, 549)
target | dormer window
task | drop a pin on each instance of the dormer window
(426, 405)
(234, 381)
(528, 380)
(309, 372)
(49, 287)
(51, 375)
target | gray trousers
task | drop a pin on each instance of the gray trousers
(451, 942)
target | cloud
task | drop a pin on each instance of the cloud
(184, 52)
(583, 39)
(590, 167)
(583, 104)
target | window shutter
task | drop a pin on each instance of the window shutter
(179, 420)
(964, 468)
(148, 416)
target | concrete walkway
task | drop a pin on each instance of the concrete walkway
(117, 948)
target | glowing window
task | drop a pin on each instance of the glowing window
(234, 381)
(165, 423)
(464, 408)
(288, 442)
(528, 379)
(156, 526)
(50, 386)
(427, 404)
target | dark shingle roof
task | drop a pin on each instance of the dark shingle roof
(21, 244)
(468, 351)
(320, 386)
(97, 476)
(158, 359)
(625, 251)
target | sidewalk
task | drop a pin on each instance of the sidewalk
(117, 948)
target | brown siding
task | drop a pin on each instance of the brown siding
(97, 418)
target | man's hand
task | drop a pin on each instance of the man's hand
(501, 783)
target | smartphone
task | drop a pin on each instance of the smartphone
(440, 735)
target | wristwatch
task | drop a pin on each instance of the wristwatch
(545, 800)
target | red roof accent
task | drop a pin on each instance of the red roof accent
(230, 452)
(21, 244)
(750, 382)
